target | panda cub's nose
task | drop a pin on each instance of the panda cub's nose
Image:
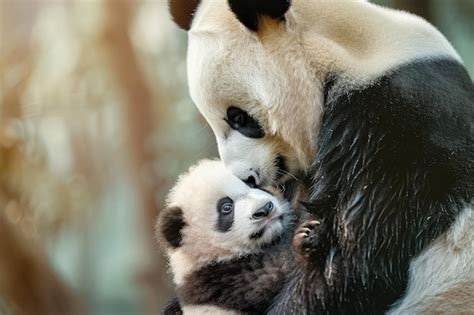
(263, 211)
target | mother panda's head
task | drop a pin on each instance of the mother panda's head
(246, 95)
(260, 71)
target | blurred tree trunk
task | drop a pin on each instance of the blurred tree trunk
(140, 125)
(418, 7)
(28, 283)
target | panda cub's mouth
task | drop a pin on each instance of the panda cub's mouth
(257, 235)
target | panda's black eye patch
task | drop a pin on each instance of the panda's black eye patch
(225, 214)
(242, 122)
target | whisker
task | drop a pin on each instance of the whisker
(283, 172)
(282, 188)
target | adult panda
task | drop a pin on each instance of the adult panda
(372, 105)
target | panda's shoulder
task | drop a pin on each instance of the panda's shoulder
(415, 118)
(425, 100)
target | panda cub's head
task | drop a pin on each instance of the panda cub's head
(211, 215)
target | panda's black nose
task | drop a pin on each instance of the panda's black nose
(251, 182)
(263, 211)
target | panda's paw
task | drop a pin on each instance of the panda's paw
(305, 239)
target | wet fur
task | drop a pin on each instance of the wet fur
(394, 170)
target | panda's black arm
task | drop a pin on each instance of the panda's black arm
(172, 308)
(394, 169)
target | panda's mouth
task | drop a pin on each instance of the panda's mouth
(258, 234)
(281, 168)
(284, 181)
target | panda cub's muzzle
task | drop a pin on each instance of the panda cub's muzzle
(269, 217)
(263, 212)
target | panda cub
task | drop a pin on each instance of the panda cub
(228, 245)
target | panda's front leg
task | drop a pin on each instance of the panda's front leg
(306, 239)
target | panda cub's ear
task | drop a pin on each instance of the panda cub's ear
(170, 225)
(249, 11)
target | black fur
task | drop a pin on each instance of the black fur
(172, 308)
(248, 11)
(394, 169)
(257, 235)
(280, 163)
(246, 284)
(170, 224)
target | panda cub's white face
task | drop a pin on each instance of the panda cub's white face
(217, 216)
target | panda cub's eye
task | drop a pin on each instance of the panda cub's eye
(227, 208)
(242, 122)
(225, 205)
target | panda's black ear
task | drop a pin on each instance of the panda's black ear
(249, 11)
(170, 225)
(183, 11)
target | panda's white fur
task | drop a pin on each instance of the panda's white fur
(228, 65)
(196, 194)
(442, 277)
(206, 310)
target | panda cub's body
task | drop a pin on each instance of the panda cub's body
(226, 242)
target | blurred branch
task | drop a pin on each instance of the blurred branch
(140, 125)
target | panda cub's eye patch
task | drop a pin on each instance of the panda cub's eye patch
(242, 122)
(225, 211)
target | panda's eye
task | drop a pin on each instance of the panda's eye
(240, 119)
(227, 208)
(244, 123)
(225, 214)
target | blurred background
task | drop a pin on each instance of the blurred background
(95, 125)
